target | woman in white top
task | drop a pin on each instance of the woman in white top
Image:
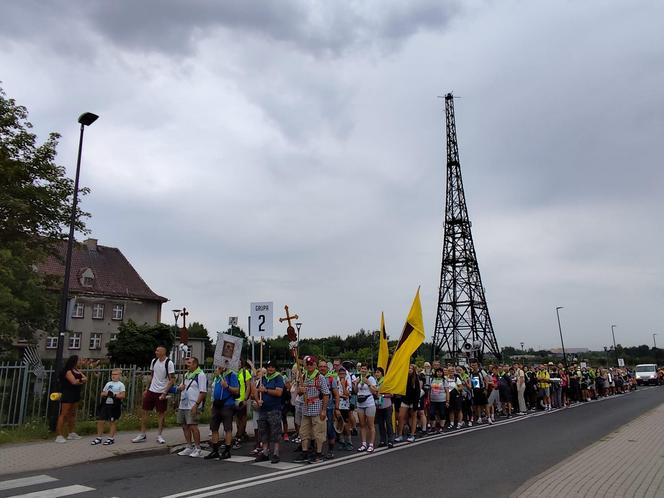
(365, 387)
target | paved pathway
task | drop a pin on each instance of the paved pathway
(43, 455)
(627, 462)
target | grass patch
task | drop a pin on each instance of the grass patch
(37, 430)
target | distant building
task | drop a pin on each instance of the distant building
(106, 291)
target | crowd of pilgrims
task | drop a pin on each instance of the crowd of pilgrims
(341, 406)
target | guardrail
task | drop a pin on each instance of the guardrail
(24, 395)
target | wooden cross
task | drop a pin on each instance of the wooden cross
(288, 317)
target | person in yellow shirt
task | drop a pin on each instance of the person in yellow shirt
(544, 386)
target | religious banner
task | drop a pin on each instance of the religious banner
(227, 352)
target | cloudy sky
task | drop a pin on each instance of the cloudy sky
(293, 151)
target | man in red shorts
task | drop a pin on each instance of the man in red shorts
(162, 378)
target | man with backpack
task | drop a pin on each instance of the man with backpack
(162, 373)
(316, 394)
(192, 399)
(225, 392)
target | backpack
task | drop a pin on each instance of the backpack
(165, 365)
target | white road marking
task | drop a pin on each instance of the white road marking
(56, 492)
(25, 481)
(279, 466)
(223, 488)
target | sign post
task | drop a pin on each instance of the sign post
(262, 317)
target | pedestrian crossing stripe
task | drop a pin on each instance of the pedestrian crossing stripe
(56, 492)
(26, 482)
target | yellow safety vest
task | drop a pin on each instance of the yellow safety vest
(243, 377)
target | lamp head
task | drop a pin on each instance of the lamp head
(87, 118)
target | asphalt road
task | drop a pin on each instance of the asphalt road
(482, 461)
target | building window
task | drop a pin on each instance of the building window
(87, 278)
(118, 311)
(95, 341)
(74, 340)
(78, 311)
(98, 311)
(52, 342)
(114, 336)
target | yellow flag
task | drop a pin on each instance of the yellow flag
(383, 351)
(411, 339)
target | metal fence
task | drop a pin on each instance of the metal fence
(24, 392)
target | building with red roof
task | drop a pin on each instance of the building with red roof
(105, 290)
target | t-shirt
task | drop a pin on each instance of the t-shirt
(271, 402)
(363, 389)
(193, 386)
(224, 394)
(333, 385)
(159, 377)
(344, 403)
(117, 387)
(437, 393)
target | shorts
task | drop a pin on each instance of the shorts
(456, 401)
(505, 395)
(110, 413)
(185, 417)
(313, 429)
(369, 411)
(151, 402)
(345, 414)
(221, 416)
(438, 408)
(479, 397)
(269, 425)
(545, 391)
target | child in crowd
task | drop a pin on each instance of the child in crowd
(110, 407)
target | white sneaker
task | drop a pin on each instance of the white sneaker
(196, 453)
(490, 421)
(160, 439)
(60, 439)
(187, 451)
(479, 420)
(141, 438)
(73, 436)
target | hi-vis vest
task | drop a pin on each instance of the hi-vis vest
(243, 376)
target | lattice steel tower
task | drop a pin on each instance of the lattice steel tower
(463, 325)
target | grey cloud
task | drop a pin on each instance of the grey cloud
(173, 27)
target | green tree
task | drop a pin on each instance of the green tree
(35, 207)
(135, 344)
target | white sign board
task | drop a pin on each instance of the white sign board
(621, 362)
(227, 352)
(262, 318)
(583, 364)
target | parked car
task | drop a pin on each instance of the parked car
(646, 373)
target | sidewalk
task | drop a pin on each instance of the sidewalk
(628, 462)
(30, 457)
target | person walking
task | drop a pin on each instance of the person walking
(316, 393)
(71, 381)
(409, 404)
(365, 387)
(193, 392)
(268, 399)
(225, 389)
(162, 377)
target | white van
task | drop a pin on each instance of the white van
(646, 373)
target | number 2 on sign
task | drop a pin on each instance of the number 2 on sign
(261, 323)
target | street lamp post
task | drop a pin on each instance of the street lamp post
(562, 343)
(613, 335)
(85, 119)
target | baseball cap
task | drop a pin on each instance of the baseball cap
(269, 364)
(310, 360)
